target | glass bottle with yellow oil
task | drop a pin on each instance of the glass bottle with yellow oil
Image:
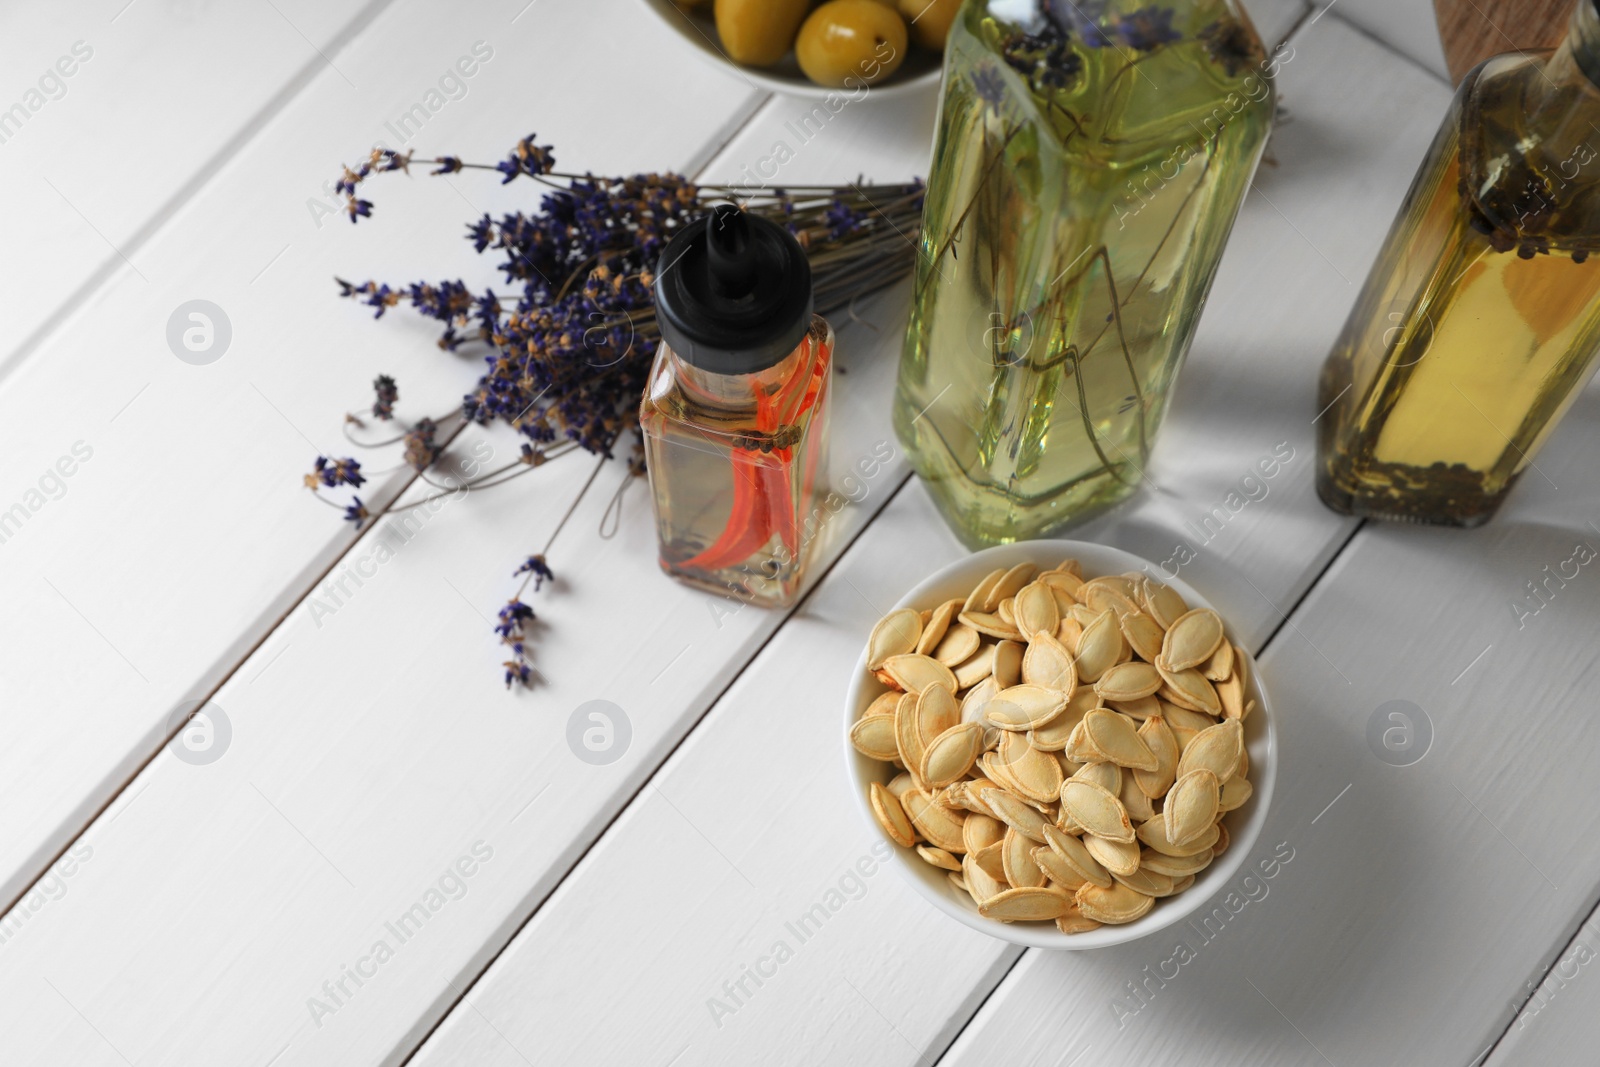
(1480, 321)
(1090, 161)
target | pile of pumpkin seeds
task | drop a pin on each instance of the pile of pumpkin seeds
(1067, 748)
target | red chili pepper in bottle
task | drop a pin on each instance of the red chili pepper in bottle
(735, 413)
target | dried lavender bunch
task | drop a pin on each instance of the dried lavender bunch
(569, 344)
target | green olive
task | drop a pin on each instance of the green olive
(850, 42)
(758, 33)
(930, 20)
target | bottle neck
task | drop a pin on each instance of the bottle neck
(731, 391)
(1581, 47)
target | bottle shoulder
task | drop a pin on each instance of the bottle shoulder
(1529, 137)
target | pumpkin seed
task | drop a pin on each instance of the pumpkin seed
(1076, 922)
(1174, 866)
(914, 673)
(1157, 736)
(1055, 868)
(891, 816)
(1235, 791)
(1128, 681)
(1154, 834)
(1104, 598)
(1010, 583)
(1189, 688)
(939, 857)
(1117, 857)
(1116, 736)
(895, 634)
(1047, 663)
(1103, 773)
(1164, 604)
(1191, 807)
(959, 882)
(1075, 854)
(938, 824)
(874, 737)
(1220, 666)
(1081, 747)
(1007, 664)
(992, 625)
(1217, 749)
(1054, 735)
(1036, 773)
(1150, 883)
(979, 695)
(1015, 813)
(1007, 612)
(981, 885)
(900, 783)
(976, 668)
(1142, 634)
(951, 754)
(1035, 609)
(1066, 581)
(1069, 633)
(937, 711)
(978, 832)
(979, 597)
(908, 736)
(1100, 647)
(1027, 905)
(1191, 640)
(1022, 707)
(957, 646)
(1096, 809)
(883, 704)
(1220, 846)
(1141, 709)
(1016, 856)
(936, 626)
(1133, 799)
(1230, 691)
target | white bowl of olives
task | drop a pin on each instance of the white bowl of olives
(845, 48)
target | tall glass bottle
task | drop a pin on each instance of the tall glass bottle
(735, 412)
(1480, 321)
(1091, 158)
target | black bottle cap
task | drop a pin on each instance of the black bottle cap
(733, 292)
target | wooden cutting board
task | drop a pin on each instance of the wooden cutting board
(1474, 30)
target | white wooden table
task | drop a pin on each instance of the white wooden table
(166, 912)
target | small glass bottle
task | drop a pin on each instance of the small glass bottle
(735, 413)
(1480, 321)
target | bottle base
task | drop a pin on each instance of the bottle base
(982, 521)
(761, 592)
(1416, 502)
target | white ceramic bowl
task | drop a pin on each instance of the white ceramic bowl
(696, 26)
(1244, 824)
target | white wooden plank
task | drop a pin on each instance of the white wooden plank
(185, 534)
(1407, 26)
(888, 980)
(146, 104)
